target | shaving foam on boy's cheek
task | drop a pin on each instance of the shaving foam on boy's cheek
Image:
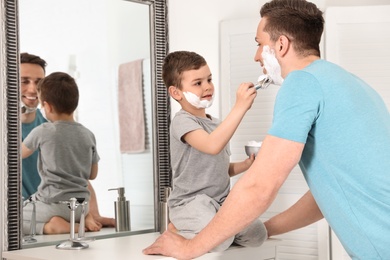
(271, 65)
(196, 102)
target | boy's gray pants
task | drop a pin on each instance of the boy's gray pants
(195, 213)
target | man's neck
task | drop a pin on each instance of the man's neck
(297, 63)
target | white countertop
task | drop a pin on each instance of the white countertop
(106, 232)
(130, 247)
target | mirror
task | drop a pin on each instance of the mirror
(90, 40)
(90, 44)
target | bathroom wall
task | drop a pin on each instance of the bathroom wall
(198, 30)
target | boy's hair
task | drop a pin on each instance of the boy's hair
(33, 59)
(175, 63)
(301, 21)
(61, 91)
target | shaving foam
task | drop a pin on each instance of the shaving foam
(26, 109)
(196, 102)
(272, 65)
(254, 143)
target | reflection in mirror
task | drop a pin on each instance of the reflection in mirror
(90, 44)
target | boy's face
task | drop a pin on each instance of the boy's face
(198, 82)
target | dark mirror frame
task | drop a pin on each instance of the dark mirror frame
(10, 130)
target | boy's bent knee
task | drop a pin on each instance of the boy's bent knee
(225, 245)
(252, 236)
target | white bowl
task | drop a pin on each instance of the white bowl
(251, 150)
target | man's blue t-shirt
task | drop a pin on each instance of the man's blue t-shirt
(30, 175)
(345, 126)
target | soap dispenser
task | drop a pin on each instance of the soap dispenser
(122, 211)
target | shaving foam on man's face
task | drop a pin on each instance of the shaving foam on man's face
(29, 101)
(26, 109)
(272, 65)
(196, 101)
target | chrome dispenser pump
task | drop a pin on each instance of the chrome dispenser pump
(122, 211)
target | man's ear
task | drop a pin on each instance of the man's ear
(283, 45)
(174, 92)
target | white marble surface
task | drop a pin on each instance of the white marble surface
(130, 247)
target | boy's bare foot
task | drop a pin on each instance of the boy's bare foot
(91, 224)
(106, 222)
(172, 228)
(58, 225)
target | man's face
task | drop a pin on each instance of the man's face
(262, 39)
(266, 54)
(30, 75)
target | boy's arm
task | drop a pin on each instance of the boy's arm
(303, 213)
(214, 142)
(239, 167)
(25, 151)
(94, 171)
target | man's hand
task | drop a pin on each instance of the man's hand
(169, 244)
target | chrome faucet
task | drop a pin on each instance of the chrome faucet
(30, 238)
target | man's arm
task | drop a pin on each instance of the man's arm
(93, 206)
(303, 213)
(94, 209)
(249, 198)
(93, 175)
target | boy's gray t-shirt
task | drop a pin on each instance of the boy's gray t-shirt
(67, 151)
(195, 172)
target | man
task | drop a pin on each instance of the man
(330, 122)
(32, 70)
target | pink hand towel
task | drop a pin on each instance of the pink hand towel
(131, 108)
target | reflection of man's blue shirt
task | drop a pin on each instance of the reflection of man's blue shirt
(30, 175)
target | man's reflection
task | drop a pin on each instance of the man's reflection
(32, 69)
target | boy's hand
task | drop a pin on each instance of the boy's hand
(248, 162)
(245, 95)
(240, 167)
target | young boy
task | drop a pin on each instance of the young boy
(200, 151)
(67, 155)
